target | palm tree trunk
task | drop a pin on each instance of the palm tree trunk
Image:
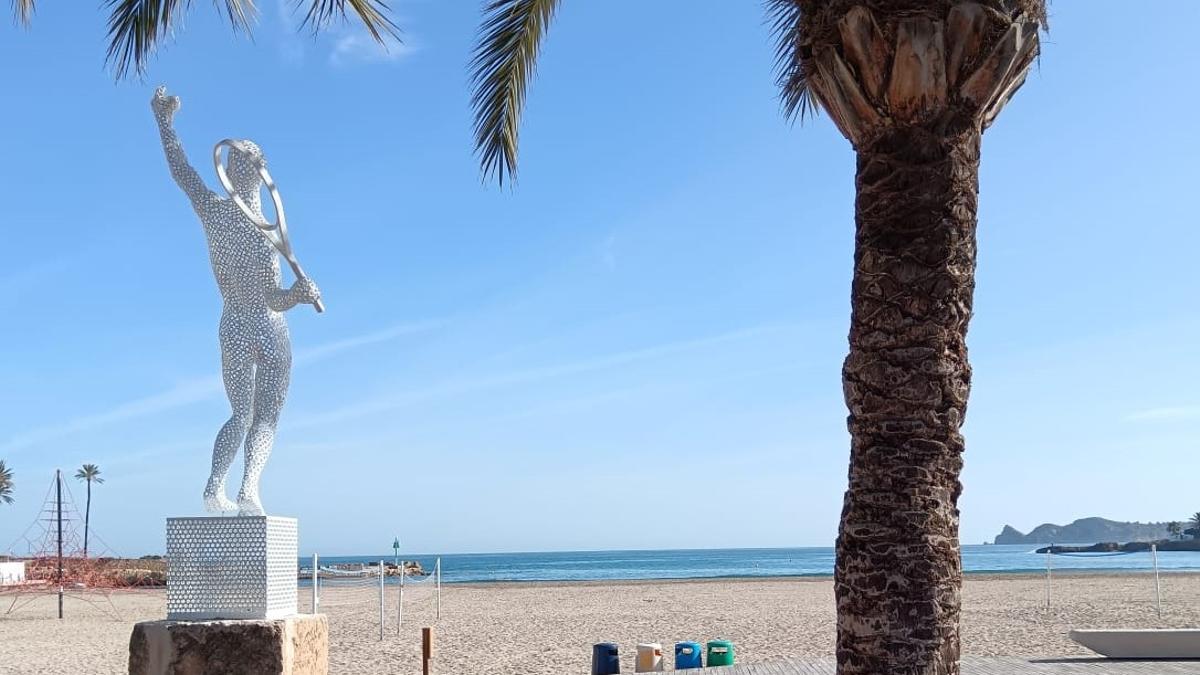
(906, 383)
(87, 518)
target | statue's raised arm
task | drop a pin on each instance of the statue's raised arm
(185, 176)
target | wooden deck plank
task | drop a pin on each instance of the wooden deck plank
(777, 668)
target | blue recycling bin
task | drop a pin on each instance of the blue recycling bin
(606, 659)
(688, 655)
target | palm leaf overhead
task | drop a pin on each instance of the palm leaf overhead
(374, 15)
(137, 27)
(23, 10)
(504, 62)
(785, 18)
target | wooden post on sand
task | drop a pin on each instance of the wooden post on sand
(426, 651)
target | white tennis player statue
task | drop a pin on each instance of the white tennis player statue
(256, 353)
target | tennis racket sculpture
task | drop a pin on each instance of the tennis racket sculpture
(277, 232)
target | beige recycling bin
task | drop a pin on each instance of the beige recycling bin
(649, 658)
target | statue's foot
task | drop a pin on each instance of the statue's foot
(215, 501)
(249, 505)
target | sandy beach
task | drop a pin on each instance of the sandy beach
(548, 628)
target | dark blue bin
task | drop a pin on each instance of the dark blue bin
(688, 655)
(606, 659)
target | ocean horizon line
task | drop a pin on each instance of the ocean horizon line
(568, 551)
(738, 563)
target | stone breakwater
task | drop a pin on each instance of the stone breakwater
(1130, 547)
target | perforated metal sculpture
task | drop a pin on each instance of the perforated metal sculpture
(256, 353)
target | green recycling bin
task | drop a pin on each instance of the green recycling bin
(720, 653)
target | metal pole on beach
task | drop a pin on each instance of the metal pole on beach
(1157, 587)
(1049, 565)
(381, 601)
(315, 599)
(58, 500)
(400, 602)
(439, 589)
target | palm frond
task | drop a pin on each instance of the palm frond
(796, 98)
(23, 9)
(90, 473)
(136, 27)
(6, 483)
(241, 13)
(375, 16)
(504, 62)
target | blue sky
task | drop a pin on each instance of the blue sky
(640, 345)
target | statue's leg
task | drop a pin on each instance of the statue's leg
(270, 391)
(238, 374)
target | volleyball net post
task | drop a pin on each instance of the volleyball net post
(400, 602)
(1157, 586)
(432, 581)
(1049, 567)
(316, 600)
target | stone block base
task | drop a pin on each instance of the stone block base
(295, 645)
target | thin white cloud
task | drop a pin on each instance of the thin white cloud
(592, 401)
(194, 391)
(386, 335)
(1165, 413)
(347, 45)
(20, 282)
(290, 45)
(379, 405)
(357, 47)
(185, 393)
(608, 252)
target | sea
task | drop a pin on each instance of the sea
(746, 562)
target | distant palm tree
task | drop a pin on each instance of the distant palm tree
(1195, 525)
(1174, 528)
(91, 474)
(912, 85)
(136, 27)
(6, 483)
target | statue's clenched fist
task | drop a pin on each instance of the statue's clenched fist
(305, 291)
(164, 106)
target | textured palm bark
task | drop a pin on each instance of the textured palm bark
(912, 84)
(906, 383)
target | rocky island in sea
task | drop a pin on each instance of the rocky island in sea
(1086, 530)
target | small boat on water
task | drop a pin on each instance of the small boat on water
(1133, 643)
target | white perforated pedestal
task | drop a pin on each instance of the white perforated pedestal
(231, 568)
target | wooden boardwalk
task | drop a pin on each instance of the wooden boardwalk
(990, 666)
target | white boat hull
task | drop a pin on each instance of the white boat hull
(1181, 643)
